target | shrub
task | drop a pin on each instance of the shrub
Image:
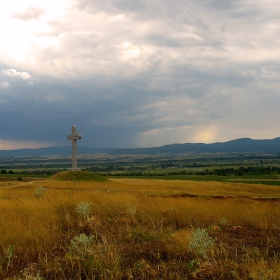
(83, 209)
(81, 245)
(39, 192)
(200, 242)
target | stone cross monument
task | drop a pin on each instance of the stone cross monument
(74, 136)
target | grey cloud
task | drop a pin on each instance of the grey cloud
(114, 115)
(32, 117)
(230, 5)
(185, 12)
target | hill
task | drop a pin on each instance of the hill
(63, 151)
(78, 176)
(243, 145)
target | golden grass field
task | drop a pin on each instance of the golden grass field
(138, 229)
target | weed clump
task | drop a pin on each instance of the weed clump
(8, 254)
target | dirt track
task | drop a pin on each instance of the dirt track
(14, 184)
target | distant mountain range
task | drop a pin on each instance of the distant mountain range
(62, 151)
(243, 145)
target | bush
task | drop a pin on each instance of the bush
(83, 209)
(201, 242)
(81, 245)
(39, 192)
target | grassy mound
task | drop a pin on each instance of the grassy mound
(78, 176)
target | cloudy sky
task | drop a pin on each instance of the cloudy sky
(138, 73)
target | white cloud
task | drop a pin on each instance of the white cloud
(126, 45)
(31, 13)
(14, 73)
(5, 85)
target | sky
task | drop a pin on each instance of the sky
(139, 73)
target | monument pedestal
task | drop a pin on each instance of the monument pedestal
(74, 169)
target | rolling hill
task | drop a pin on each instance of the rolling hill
(243, 145)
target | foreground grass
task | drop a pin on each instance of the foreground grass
(138, 229)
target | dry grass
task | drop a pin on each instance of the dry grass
(169, 187)
(141, 229)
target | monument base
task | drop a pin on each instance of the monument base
(74, 169)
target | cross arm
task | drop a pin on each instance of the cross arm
(74, 137)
